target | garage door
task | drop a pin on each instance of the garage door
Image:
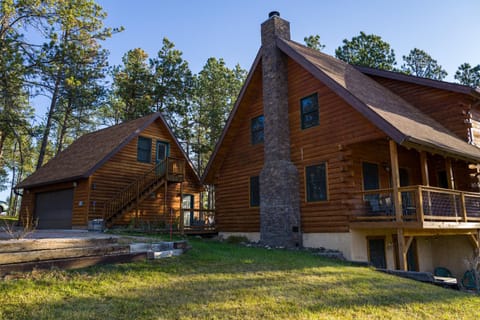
(54, 209)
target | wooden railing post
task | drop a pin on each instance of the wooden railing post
(420, 204)
(463, 207)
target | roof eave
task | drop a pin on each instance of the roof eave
(433, 148)
(438, 84)
(47, 183)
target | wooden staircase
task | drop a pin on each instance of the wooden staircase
(168, 170)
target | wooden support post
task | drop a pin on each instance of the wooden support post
(463, 207)
(451, 183)
(182, 214)
(402, 252)
(450, 177)
(420, 213)
(165, 197)
(397, 199)
(424, 168)
(474, 240)
(425, 182)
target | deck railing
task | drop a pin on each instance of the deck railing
(196, 220)
(420, 203)
(137, 189)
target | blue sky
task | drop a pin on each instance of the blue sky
(447, 30)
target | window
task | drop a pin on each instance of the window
(254, 191)
(370, 176)
(371, 182)
(144, 149)
(257, 129)
(309, 110)
(316, 180)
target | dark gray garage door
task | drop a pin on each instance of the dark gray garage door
(54, 209)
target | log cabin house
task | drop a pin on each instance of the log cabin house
(379, 165)
(128, 174)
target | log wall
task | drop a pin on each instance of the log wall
(339, 125)
(123, 168)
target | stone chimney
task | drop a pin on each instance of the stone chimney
(279, 193)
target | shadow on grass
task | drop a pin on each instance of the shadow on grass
(226, 281)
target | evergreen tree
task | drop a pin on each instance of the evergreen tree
(313, 41)
(367, 50)
(421, 64)
(468, 75)
(217, 88)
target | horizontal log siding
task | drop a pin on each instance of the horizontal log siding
(80, 193)
(242, 160)
(123, 168)
(339, 125)
(448, 108)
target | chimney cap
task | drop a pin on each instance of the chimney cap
(274, 14)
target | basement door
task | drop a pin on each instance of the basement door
(376, 252)
(54, 209)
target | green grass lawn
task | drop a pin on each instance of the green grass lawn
(226, 281)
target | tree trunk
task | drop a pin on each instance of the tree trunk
(63, 129)
(48, 125)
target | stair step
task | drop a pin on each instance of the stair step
(61, 253)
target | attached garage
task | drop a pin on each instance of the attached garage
(53, 210)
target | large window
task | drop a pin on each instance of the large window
(316, 182)
(254, 191)
(144, 149)
(257, 130)
(309, 111)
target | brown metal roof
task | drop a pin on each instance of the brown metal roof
(84, 156)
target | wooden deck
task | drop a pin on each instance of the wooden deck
(422, 207)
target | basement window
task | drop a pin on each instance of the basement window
(309, 111)
(254, 191)
(144, 150)
(257, 130)
(316, 182)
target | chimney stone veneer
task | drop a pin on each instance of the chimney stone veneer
(279, 193)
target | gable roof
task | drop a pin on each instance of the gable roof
(88, 153)
(397, 118)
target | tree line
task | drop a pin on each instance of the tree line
(370, 50)
(52, 59)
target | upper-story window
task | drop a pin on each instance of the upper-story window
(309, 111)
(316, 182)
(256, 129)
(144, 149)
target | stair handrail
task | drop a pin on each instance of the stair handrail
(133, 190)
